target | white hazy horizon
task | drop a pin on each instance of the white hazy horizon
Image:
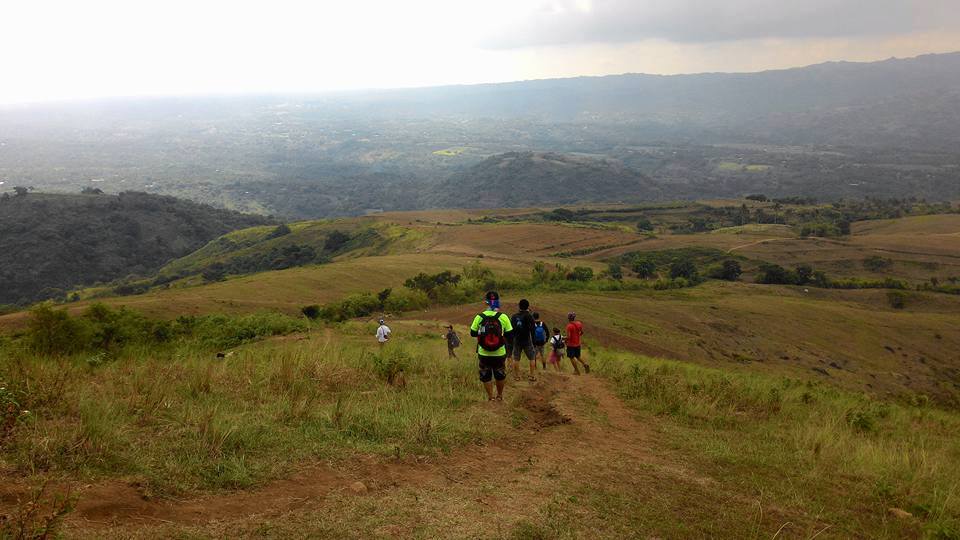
(59, 50)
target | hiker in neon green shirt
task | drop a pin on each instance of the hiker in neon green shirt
(492, 330)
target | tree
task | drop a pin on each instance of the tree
(282, 230)
(335, 241)
(698, 224)
(644, 268)
(730, 270)
(383, 295)
(644, 225)
(803, 274)
(684, 269)
(20, 191)
(560, 214)
(215, 272)
(614, 271)
(774, 274)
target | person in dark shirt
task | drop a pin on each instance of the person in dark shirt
(523, 325)
(541, 335)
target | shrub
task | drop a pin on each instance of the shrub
(406, 300)
(355, 305)
(427, 283)
(877, 263)
(897, 299)
(390, 362)
(821, 229)
(856, 283)
(644, 225)
(560, 214)
(580, 273)
(311, 312)
(614, 271)
(115, 327)
(52, 331)
(223, 331)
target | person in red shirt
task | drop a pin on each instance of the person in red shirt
(574, 333)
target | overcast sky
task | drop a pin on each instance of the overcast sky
(69, 49)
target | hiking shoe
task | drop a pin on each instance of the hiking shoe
(586, 368)
(499, 398)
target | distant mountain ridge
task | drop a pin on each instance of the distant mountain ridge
(50, 243)
(831, 102)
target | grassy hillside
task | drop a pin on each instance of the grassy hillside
(716, 409)
(52, 243)
(304, 435)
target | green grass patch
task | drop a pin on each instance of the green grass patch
(844, 457)
(182, 420)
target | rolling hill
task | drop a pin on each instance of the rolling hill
(50, 243)
(525, 179)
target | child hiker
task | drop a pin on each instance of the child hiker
(556, 350)
(453, 341)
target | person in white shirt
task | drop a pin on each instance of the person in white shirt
(383, 333)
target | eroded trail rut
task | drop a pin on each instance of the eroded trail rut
(572, 430)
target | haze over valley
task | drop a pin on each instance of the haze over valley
(884, 129)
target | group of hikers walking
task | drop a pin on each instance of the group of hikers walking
(502, 338)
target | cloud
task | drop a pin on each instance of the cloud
(562, 22)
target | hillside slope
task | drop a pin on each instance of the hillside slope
(50, 243)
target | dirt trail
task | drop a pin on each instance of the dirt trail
(573, 429)
(553, 420)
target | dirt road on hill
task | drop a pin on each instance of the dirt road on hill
(574, 440)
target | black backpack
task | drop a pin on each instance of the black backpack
(490, 333)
